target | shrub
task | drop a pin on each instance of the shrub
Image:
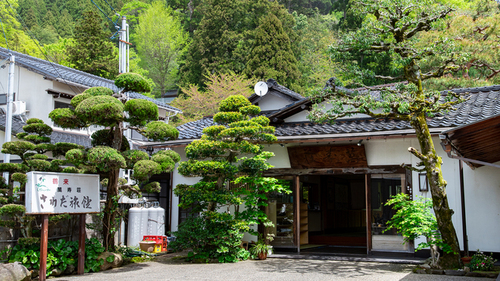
(481, 262)
(60, 254)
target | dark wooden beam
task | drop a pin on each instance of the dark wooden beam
(335, 171)
(368, 204)
(296, 211)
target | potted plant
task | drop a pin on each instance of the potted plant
(261, 248)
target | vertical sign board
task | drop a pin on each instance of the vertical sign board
(61, 193)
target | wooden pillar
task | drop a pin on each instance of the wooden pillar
(296, 211)
(43, 247)
(368, 199)
(81, 246)
(464, 220)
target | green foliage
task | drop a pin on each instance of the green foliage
(104, 137)
(217, 159)
(197, 103)
(159, 25)
(101, 106)
(132, 82)
(96, 91)
(20, 177)
(143, 169)
(132, 156)
(93, 52)
(259, 248)
(225, 36)
(272, 55)
(158, 130)
(66, 118)
(106, 158)
(100, 110)
(61, 148)
(482, 262)
(234, 103)
(166, 159)
(141, 112)
(60, 254)
(413, 218)
(213, 236)
(152, 187)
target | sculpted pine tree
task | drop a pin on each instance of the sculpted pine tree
(31, 148)
(111, 150)
(272, 55)
(230, 160)
(391, 27)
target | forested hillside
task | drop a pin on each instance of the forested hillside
(180, 43)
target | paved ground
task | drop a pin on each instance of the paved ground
(166, 268)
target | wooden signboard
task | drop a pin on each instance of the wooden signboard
(60, 193)
(327, 156)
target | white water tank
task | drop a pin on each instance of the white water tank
(144, 212)
(160, 214)
(134, 227)
(152, 221)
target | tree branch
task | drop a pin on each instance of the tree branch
(417, 154)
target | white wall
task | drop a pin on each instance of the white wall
(272, 102)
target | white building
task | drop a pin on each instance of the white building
(350, 168)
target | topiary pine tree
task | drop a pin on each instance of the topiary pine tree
(31, 148)
(272, 55)
(110, 151)
(230, 160)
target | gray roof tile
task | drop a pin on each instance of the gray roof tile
(54, 70)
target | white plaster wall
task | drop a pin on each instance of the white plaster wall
(178, 179)
(299, 117)
(272, 102)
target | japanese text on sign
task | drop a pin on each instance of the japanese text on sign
(56, 193)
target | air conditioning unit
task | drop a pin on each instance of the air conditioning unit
(18, 107)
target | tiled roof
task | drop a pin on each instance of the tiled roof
(17, 127)
(483, 103)
(55, 71)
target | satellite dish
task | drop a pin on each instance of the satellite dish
(261, 88)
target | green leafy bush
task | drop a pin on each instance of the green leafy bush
(66, 118)
(132, 82)
(214, 237)
(481, 262)
(60, 254)
(141, 112)
(100, 110)
(158, 130)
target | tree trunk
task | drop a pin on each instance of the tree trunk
(438, 190)
(109, 223)
(110, 211)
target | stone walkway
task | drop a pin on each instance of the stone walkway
(166, 268)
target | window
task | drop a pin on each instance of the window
(58, 104)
